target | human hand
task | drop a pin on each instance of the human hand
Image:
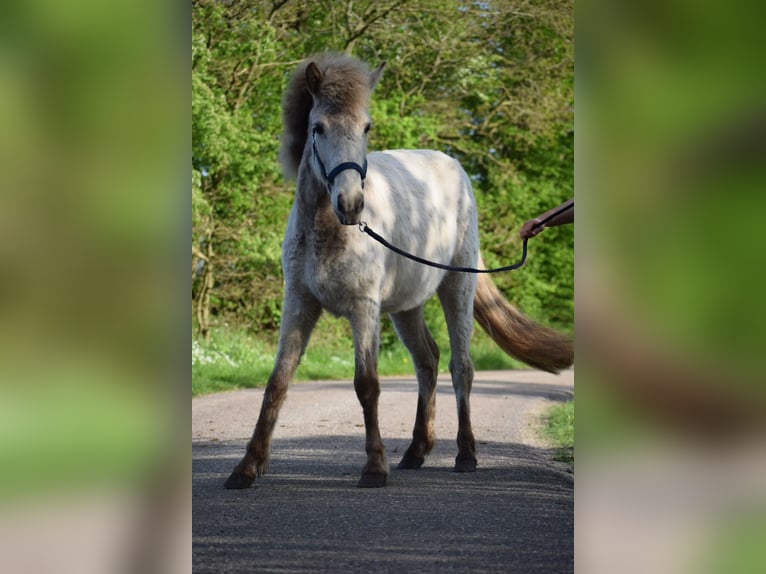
(529, 230)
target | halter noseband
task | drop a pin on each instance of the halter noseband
(330, 177)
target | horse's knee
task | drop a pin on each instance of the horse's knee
(461, 365)
(461, 369)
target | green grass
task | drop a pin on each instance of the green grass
(736, 543)
(559, 429)
(235, 359)
(70, 433)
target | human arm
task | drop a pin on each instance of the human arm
(561, 215)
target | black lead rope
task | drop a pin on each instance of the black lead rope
(364, 227)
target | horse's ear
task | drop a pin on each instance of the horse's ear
(376, 74)
(313, 78)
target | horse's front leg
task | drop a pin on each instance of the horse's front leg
(299, 316)
(365, 325)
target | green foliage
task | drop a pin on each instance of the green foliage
(393, 130)
(235, 358)
(559, 429)
(489, 85)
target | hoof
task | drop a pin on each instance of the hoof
(409, 462)
(465, 464)
(237, 481)
(372, 480)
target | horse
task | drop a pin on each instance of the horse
(423, 201)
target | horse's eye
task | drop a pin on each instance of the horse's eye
(367, 127)
(319, 128)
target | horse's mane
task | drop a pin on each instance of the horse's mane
(345, 85)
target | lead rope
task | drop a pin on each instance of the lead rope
(366, 228)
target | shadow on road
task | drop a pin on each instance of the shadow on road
(515, 514)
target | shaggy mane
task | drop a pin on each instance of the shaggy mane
(345, 85)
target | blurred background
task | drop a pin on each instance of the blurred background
(94, 400)
(671, 159)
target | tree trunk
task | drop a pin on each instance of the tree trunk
(203, 295)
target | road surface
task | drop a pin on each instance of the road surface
(515, 514)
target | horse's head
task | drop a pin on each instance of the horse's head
(338, 125)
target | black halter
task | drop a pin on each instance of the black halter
(330, 177)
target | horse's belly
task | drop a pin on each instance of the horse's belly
(409, 289)
(339, 288)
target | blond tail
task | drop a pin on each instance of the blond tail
(518, 335)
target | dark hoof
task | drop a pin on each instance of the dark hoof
(465, 464)
(409, 461)
(238, 481)
(372, 480)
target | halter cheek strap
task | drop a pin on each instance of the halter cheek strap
(330, 177)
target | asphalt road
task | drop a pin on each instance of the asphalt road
(515, 514)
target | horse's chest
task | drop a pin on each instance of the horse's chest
(334, 275)
(336, 280)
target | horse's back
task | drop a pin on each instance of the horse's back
(421, 180)
(422, 201)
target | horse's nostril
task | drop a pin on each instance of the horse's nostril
(348, 207)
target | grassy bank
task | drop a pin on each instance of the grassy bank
(234, 358)
(559, 430)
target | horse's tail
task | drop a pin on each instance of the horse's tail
(517, 334)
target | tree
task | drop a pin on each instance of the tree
(490, 83)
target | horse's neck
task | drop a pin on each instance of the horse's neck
(314, 214)
(311, 194)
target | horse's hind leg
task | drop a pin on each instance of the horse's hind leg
(412, 330)
(299, 316)
(365, 325)
(456, 295)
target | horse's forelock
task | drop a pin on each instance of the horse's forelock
(345, 85)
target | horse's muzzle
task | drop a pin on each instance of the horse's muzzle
(349, 209)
